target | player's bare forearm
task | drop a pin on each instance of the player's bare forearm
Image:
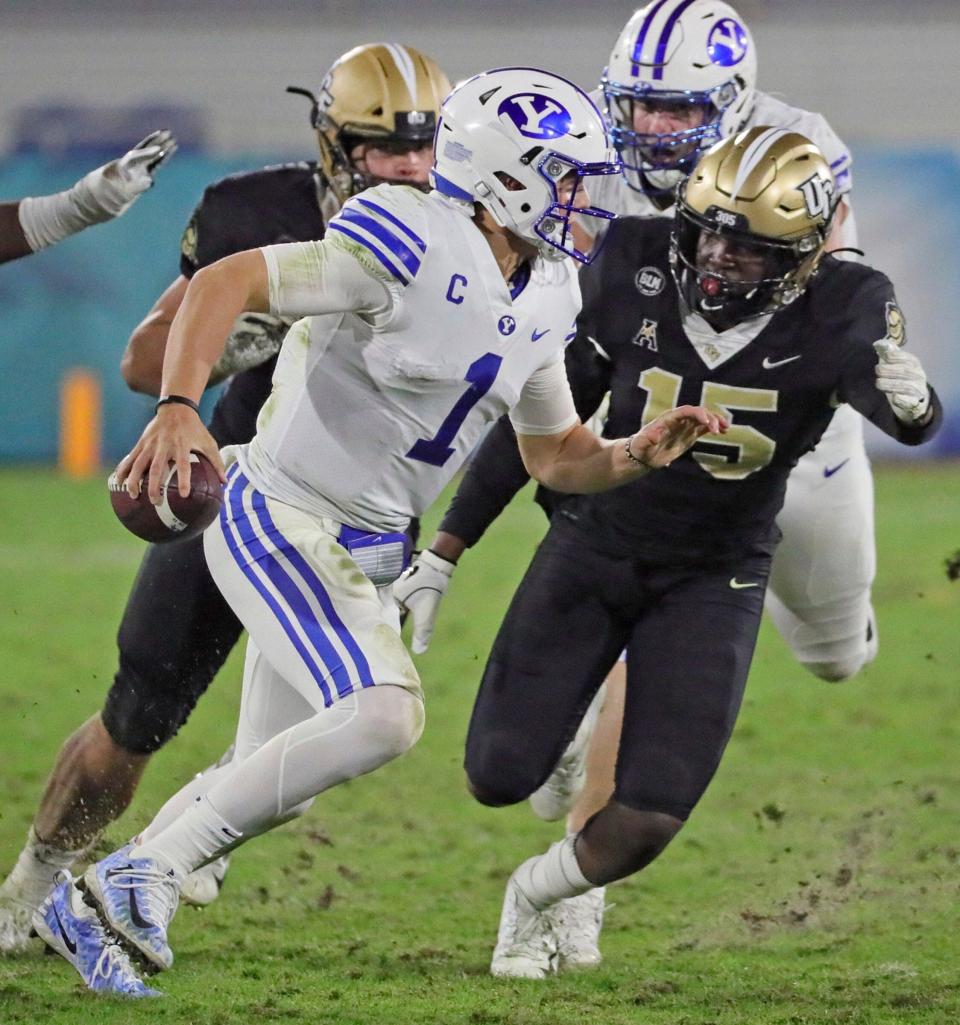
(13, 243)
(215, 297)
(142, 363)
(578, 462)
(448, 546)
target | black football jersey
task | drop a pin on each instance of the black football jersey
(721, 498)
(246, 211)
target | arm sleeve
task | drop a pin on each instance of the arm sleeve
(212, 233)
(817, 129)
(310, 278)
(545, 405)
(868, 323)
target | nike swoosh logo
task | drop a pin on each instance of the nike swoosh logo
(537, 335)
(138, 920)
(829, 471)
(67, 942)
(737, 586)
(769, 364)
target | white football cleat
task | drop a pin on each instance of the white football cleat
(203, 885)
(576, 924)
(16, 926)
(554, 799)
(525, 946)
(26, 888)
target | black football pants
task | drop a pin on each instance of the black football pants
(689, 632)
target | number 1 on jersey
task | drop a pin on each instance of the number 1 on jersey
(480, 374)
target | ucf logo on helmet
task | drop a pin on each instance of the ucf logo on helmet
(817, 195)
(536, 116)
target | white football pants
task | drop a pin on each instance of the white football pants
(329, 690)
(819, 591)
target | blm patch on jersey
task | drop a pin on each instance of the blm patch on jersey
(649, 281)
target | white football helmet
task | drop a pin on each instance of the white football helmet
(506, 137)
(673, 54)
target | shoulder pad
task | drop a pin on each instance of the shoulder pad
(843, 289)
(814, 126)
(646, 238)
(389, 222)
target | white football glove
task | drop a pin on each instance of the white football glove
(902, 379)
(419, 590)
(116, 185)
(99, 196)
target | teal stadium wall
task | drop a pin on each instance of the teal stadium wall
(75, 305)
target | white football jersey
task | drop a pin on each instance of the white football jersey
(371, 414)
(613, 193)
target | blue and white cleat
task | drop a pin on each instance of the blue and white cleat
(74, 930)
(137, 898)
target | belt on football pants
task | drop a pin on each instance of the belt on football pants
(381, 557)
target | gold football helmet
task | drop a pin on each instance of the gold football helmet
(751, 224)
(380, 93)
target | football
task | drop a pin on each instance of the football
(175, 518)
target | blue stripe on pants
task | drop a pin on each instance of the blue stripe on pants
(282, 582)
(315, 584)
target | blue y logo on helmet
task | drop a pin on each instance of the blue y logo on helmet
(727, 43)
(536, 116)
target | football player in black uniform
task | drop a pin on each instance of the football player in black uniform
(35, 222)
(761, 326)
(375, 115)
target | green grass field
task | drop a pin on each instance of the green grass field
(816, 883)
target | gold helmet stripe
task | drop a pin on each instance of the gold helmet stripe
(753, 155)
(404, 62)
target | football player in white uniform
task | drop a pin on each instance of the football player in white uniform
(428, 316)
(374, 119)
(682, 76)
(35, 222)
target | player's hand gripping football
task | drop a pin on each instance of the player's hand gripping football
(170, 437)
(672, 433)
(419, 591)
(900, 376)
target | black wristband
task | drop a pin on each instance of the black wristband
(181, 399)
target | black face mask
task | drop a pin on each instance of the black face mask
(722, 302)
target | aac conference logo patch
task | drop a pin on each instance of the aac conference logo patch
(649, 281)
(536, 116)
